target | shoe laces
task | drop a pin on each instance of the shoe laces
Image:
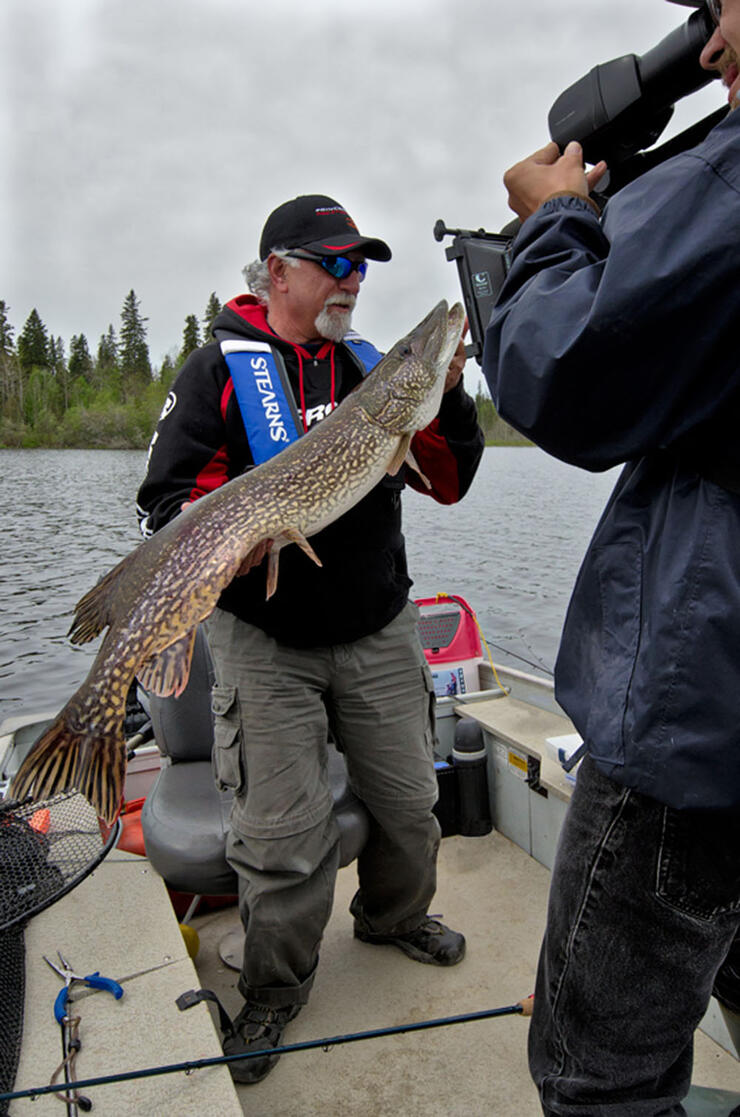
(429, 928)
(261, 1021)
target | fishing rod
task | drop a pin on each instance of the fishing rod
(536, 664)
(521, 1008)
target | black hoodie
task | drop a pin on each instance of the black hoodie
(200, 443)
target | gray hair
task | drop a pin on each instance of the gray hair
(257, 274)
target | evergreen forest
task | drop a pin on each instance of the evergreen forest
(109, 396)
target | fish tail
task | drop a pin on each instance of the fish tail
(64, 758)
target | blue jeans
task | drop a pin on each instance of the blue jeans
(644, 908)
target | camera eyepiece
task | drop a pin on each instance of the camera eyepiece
(622, 106)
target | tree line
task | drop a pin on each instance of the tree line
(54, 397)
(110, 398)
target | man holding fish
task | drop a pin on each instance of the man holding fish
(332, 650)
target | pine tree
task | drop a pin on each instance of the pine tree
(10, 377)
(80, 361)
(59, 370)
(190, 338)
(167, 372)
(134, 363)
(56, 354)
(106, 374)
(6, 331)
(213, 309)
(107, 356)
(34, 350)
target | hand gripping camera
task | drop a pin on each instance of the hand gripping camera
(615, 111)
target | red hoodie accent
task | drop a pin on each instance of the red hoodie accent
(251, 310)
(213, 475)
(437, 462)
(216, 473)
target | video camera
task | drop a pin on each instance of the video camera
(615, 111)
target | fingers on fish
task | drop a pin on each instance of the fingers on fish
(62, 760)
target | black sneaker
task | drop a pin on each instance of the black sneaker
(430, 942)
(257, 1028)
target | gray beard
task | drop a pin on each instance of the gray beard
(332, 324)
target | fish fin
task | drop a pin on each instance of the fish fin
(93, 612)
(255, 556)
(288, 535)
(63, 759)
(400, 455)
(412, 462)
(168, 671)
(293, 535)
(272, 572)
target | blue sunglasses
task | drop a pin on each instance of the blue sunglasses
(337, 266)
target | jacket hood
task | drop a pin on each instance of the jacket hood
(245, 315)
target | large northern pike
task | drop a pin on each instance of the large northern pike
(153, 600)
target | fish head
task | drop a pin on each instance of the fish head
(405, 389)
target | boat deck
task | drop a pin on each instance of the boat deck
(488, 888)
(495, 894)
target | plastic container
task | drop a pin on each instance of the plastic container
(452, 646)
(470, 761)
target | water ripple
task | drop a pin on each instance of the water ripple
(512, 548)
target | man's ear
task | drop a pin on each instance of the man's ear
(278, 269)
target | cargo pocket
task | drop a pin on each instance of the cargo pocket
(227, 754)
(699, 862)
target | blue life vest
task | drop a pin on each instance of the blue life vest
(263, 391)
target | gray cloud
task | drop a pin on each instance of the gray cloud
(145, 143)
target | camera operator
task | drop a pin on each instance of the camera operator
(614, 340)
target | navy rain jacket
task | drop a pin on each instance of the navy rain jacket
(613, 341)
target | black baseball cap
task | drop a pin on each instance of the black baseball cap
(320, 225)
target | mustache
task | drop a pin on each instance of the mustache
(345, 299)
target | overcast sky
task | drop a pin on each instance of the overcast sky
(144, 143)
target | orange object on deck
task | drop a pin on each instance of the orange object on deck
(132, 838)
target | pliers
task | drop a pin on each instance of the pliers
(68, 976)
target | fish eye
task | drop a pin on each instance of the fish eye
(404, 349)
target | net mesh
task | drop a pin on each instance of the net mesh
(46, 848)
(12, 995)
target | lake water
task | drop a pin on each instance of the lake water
(512, 549)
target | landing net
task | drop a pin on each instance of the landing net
(46, 849)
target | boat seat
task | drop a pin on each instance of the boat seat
(185, 817)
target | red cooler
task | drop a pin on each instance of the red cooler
(451, 641)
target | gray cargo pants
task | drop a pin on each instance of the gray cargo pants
(273, 707)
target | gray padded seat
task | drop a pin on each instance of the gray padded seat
(185, 818)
